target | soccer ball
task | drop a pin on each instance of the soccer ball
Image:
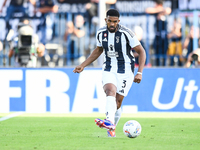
(132, 129)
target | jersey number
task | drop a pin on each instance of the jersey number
(124, 82)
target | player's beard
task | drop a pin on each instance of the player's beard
(111, 30)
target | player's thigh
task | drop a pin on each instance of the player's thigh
(109, 82)
(109, 77)
(124, 83)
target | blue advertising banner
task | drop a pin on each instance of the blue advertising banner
(167, 90)
(59, 90)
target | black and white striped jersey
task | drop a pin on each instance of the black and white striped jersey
(118, 56)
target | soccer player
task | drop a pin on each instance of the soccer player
(118, 69)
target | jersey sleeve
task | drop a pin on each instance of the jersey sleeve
(133, 41)
(98, 39)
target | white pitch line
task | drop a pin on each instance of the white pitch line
(11, 116)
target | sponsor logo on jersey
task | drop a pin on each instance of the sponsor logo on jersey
(112, 54)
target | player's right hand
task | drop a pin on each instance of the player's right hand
(137, 78)
(78, 69)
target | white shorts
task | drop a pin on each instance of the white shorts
(123, 82)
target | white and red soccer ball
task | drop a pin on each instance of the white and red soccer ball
(132, 129)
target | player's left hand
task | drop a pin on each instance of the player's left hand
(78, 69)
(137, 78)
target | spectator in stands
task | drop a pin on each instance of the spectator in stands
(188, 42)
(193, 59)
(160, 41)
(175, 47)
(15, 5)
(45, 7)
(76, 39)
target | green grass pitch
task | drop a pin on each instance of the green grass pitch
(160, 131)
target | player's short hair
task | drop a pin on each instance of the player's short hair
(112, 12)
(159, 2)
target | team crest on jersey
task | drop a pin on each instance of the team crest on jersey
(117, 39)
(105, 35)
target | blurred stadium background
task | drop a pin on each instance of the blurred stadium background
(62, 35)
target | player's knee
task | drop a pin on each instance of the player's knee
(110, 92)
